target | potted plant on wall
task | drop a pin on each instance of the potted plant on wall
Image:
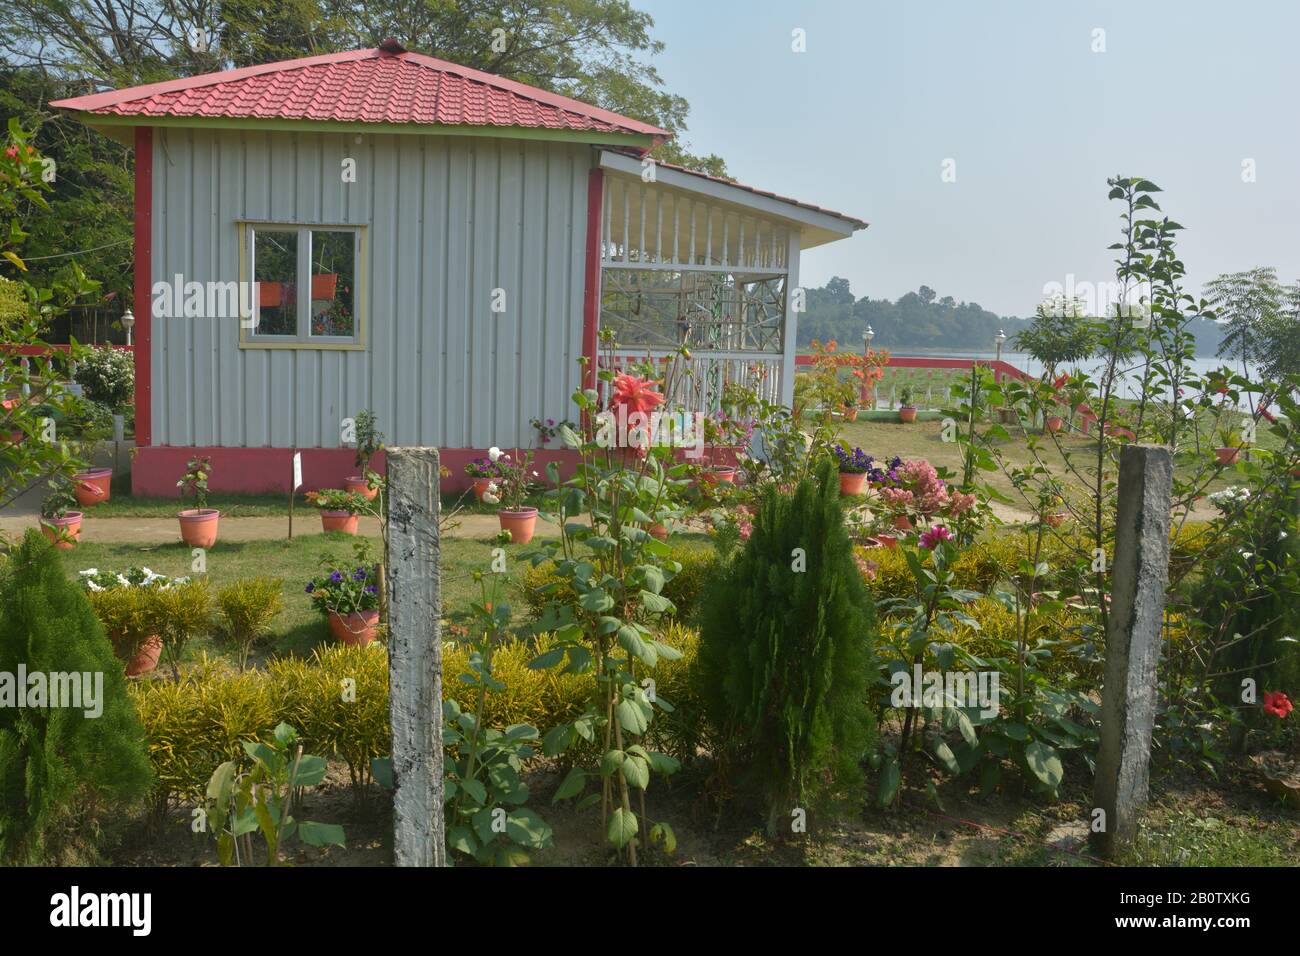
(906, 410)
(340, 510)
(516, 473)
(198, 524)
(369, 441)
(349, 598)
(59, 522)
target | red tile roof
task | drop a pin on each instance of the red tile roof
(384, 85)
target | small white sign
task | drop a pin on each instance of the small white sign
(297, 470)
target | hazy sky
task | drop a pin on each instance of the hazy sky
(1184, 93)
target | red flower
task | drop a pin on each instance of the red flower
(635, 394)
(1060, 380)
(12, 152)
(1272, 419)
(931, 538)
(1277, 704)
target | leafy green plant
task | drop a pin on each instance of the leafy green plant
(485, 792)
(786, 650)
(58, 764)
(195, 480)
(59, 501)
(182, 611)
(245, 611)
(260, 799)
(337, 499)
(370, 440)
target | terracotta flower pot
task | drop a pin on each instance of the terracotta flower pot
(199, 528)
(146, 657)
(355, 628)
(362, 487)
(520, 524)
(92, 487)
(481, 487)
(903, 523)
(850, 414)
(344, 521)
(1055, 519)
(851, 484)
(658, 531)
(63, 533)
(887, 540)
(1227, 456)
(906, 414)
(720, 473)
(1054, 423)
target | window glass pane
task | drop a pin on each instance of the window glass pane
(333, 268)
(275, 270)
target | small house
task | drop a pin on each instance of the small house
(382, 230)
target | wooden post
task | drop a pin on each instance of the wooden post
(415, 656)
(1138, 577)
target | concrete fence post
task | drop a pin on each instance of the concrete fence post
(1138, 575)
(415, 656)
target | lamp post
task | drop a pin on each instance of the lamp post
(867, 399)
(128, 323)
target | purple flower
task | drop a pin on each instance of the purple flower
(359, 574)
(371, 589)
(311, 587)
(336, 577)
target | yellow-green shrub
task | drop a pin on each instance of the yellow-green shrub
(197, 723)
(977, 568)
(542, 698)
(338, 702)
(245, 611)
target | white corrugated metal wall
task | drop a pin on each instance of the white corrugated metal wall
(448, 219)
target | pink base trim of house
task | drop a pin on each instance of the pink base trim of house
(157, 468)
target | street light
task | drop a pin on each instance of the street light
(865, 397)
(1001, 340)
(128, 323)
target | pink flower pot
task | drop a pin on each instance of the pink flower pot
(481, 487)
(658, 531)
(850, 414)
(63, 533)
(199, 528)
(1055, 519)
(146, 657)
(903, 523)
(887, 540)
(1227, 456)
(906, 414)
(721, 473)
(520, 524)
(1054, 423)
(92, 487)
(359, 484)
(355, 628)
(344, 521)
(851, 484)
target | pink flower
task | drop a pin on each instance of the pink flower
(1277, 704)
(635, 394)
(930, 539)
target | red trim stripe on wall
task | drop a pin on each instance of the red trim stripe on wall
(143, 284)
(591, 300)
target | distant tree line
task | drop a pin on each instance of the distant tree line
(923, 320)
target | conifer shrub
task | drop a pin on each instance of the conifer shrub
(787, 652)
(62, 771)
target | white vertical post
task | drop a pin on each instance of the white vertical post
(790, 327)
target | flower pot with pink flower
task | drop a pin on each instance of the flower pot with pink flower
(511, 490)
(483, 471)
(60, 523)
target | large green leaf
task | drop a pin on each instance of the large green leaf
(1044, 763)
(622, 827)
(321, 834)
(890, 778)
(632, 717)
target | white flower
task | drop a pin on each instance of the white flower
(490, 499)
(494, 453)
(93, 586)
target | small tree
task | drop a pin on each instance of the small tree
(786, 649)
(57, 762)
(245, 611)
(1060, 333)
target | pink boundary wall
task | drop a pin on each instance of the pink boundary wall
(157, 468)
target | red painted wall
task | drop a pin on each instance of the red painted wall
(156, 469)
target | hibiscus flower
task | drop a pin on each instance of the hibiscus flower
(1277, 703)
(930, 539)
(635, 394)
